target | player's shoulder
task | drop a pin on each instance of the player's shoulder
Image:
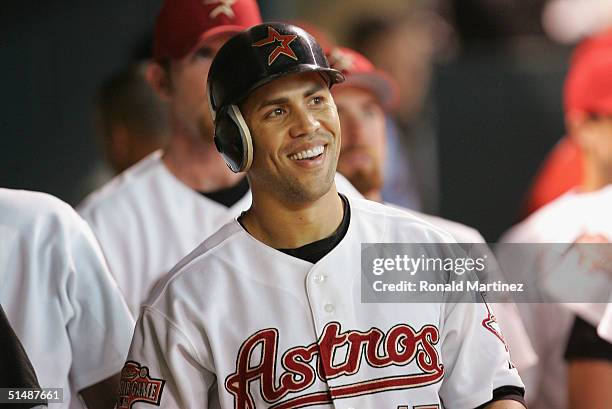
(543, 222)
(194, 266)
(599, 197)
(384, 211)
(24, 207)
(606, 191)
(396, 223)
(125, 186)
(460, 232)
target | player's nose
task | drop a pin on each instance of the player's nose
(304, 122)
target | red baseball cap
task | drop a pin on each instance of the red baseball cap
(182, 24)
(319, 34)
(361, 73)
(588, 86)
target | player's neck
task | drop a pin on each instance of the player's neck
(282, 225)
(198, 164)
(595, 176)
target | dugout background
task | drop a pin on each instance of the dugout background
(498, 113)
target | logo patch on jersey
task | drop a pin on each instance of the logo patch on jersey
(137, 386)
(400, 346)
(490, 323)
(283, 46)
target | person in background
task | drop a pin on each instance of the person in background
(131, 120)
(574, 356)
(157, 211)
(404, 46)
(61, 300)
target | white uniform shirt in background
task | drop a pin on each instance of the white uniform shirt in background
(548, 325)
(58, 294)
(236, 325)
(146, 220)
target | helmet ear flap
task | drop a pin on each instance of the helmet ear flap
(233, 138)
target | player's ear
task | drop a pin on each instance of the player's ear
(158, 77)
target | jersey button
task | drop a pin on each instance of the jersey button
(319, 278)
(329, 308)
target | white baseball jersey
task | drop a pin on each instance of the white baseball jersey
(146, 220)
(238, 324)
(515, 334)
(508, 317)
(564, 220)
(58, 294)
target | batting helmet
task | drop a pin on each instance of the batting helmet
(247, 61)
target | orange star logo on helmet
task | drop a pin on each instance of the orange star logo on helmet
(282, 48)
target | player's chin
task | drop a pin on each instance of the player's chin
(316, 189)
(315, 177)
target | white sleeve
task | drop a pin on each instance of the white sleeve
(100, 324)
(476, 360)
(164, 367)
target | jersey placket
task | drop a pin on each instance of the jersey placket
(329, 292)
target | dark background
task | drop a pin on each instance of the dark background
(498, 110)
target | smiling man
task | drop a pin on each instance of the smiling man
(267, 312)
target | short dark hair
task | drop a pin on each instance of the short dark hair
(127, 98)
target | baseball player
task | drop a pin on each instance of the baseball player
(579, 216)
(60, 298)
(266, 313)
(362, 100)
(156, 212)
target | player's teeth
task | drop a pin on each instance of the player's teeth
(308, 153)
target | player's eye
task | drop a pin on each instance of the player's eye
(275, 113)
(317, 100)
